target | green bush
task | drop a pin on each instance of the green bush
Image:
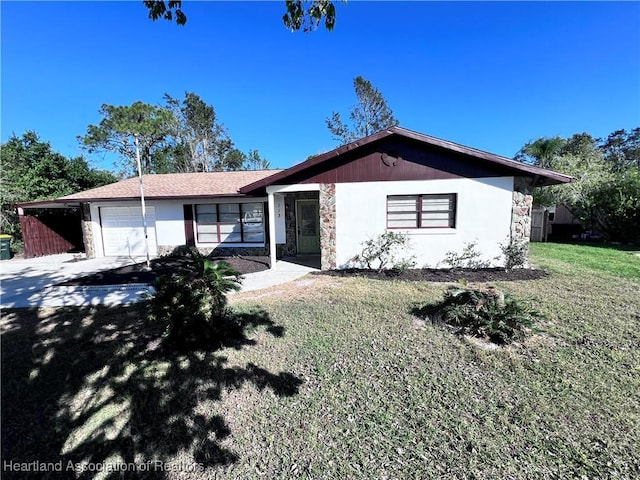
(485, 313)
(385, 252)
(469, 258)
(193, 303)
(516, 254)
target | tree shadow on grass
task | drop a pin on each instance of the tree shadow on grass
(92, 388)
(230, 331)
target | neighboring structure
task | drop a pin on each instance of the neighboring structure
(443, 195)
(555, 223)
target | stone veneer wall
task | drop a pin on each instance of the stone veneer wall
(521, 218)
(290, 248)
(327, 226)
(87, 231)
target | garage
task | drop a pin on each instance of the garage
(123, 232)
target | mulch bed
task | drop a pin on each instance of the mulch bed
(137, 273)
(443, 275)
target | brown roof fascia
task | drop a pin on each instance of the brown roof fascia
(530, 170)
(55, 203)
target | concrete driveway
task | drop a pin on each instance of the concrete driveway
(30, 282)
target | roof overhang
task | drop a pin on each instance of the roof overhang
(75, 203)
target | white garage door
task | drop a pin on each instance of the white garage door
(122, 231)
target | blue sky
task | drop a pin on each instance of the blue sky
(488, 75)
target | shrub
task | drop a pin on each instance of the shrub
(516, 254)
(469, 258)
(193, 302)
(485, 313)
(384, 250)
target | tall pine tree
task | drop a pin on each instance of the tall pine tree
(370, 115)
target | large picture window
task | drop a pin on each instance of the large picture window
(421, 211)
(230, 223)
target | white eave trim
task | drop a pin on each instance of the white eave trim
(300, 187)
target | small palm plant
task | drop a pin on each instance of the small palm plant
(485, 313)
(193, 302)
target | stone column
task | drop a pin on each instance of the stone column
(87, 230)
(327, 226)
(521, 218)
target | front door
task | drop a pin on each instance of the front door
(308, 224)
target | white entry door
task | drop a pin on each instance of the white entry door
(123, 233)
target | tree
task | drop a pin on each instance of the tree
(255, 162)
(580, 158)
(613, 207)
(181, 136)
(196, 131)
(234, 160)
(295, 18)
(30, 170)
(605, 195)
(118, 128)
(622, 149)
(370, 115)
(238, 160)
(541, 152)
(167, 10)
(201, 143)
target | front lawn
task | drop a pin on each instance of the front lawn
(335, 379)
(619, 260)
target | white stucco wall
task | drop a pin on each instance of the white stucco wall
(483, 215)
(168, 225)
(279, 219)
(169, 221)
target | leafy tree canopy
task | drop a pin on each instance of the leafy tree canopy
(166, 10)
(371, 114)
(238, 160)
(118, 129)
(542, 152)
(297, 18)
(31, 170)
(605, 195)
(255, 162)
(197, 134)
(622, 149)
(180, 136)
(305, 15)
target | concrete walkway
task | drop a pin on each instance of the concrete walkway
(31, 282)
(285, 272)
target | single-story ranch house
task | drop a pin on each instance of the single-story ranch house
(443, 195)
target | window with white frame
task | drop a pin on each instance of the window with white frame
(421, 211)
(230, 223)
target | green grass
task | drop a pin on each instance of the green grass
(356, 387)
(621, 261)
